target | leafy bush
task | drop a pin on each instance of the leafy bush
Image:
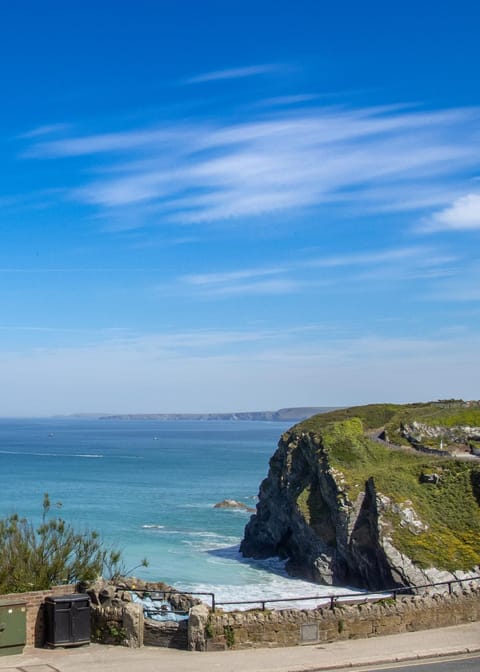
(35, 558)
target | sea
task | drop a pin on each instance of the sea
(149, 487)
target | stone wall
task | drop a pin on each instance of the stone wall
(167, 634)
(34, 602)
(117, 619)
(117, 624)
(124, 624)
(291, 627)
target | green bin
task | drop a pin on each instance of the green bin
(13, 627)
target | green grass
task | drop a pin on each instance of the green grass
(303, 503)
(465, 416)
(372, 417)
(448, 413)
(453, 515)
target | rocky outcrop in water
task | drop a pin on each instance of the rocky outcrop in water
(233, 504)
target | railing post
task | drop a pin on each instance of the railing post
(213, 602)
(450, 587)
(263, 606)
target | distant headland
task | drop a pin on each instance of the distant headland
(295, 414)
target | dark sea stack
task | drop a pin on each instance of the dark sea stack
(345, 507)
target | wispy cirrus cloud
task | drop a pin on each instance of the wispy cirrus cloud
(254, 287)
(283, 101)
(460, 288)
(47, 129)
(383, 158)
(373, 257)
(333, 273)
(211, 279)
(245, 282)
(104, 143)
(233, 73)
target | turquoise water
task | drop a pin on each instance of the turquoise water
(149, 487)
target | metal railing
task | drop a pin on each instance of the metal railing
(330, 600)
(353, 598)
(155, 593)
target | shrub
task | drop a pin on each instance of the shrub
(35, 558)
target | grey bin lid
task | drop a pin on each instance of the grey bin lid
(75, 597)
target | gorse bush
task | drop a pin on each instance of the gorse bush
(35, 558)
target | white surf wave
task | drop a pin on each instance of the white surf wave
(278, 593)
(152, 526)
(88, 455)
(43, 454)
(264, 581)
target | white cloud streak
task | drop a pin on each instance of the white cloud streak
(373, 266)
(384, 158)
(202, 279)
(48, 129)
(233, 73)
(105, 143)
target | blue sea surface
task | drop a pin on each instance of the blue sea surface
(149, 487)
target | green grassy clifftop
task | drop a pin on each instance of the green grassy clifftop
(447, 413)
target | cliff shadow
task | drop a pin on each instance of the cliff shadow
(368, 563)
(475, 481)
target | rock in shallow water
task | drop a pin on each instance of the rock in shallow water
(232, 504)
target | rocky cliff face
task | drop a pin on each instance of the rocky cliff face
(334, 531)
(418, 432)
(304, 514)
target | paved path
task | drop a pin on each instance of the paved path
(391, 648)
(464, 457)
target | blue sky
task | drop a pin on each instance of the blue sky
(226, 206)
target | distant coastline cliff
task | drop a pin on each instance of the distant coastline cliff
(375, 496)
(295, 414)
